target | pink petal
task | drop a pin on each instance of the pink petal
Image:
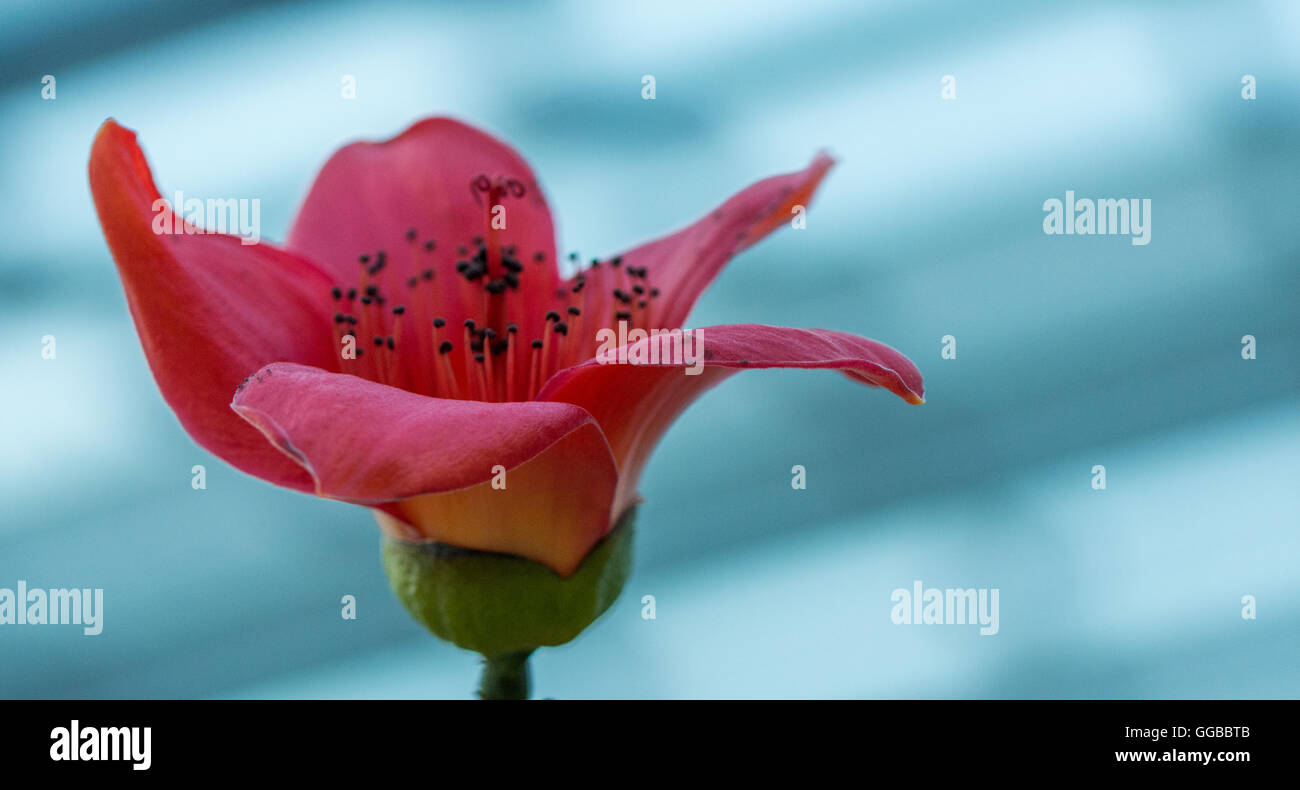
(635, 403)
(683, 264)
(209, 310)
(429, 463)
(369, 194)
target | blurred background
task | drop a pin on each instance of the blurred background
(1071, 351)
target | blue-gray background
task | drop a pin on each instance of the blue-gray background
(1071, 351)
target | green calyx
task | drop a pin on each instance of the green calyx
(501, 604)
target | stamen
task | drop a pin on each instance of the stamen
(490, 271)
(488, 334)
(578, 345)
(482, 377)
(381, 366)
(469, 348)
(448, 372)
(532, 376)
(511, 331)
(552, 316)
(399, 369)
(562, 329)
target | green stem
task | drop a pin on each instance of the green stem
(505, 676)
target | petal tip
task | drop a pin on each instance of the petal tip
(111, 130)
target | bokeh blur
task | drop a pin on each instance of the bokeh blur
(1071, 351)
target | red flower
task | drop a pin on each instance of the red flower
(472, 352)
